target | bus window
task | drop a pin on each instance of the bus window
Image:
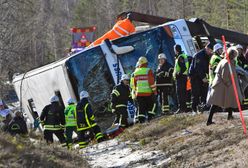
(89, 71)
(149, 43)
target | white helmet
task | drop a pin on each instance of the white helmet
(71, 101)
(217, 47)
(125, 77)
(238, 46)
(54, 99)
(84, 94)
(162, 56)
(137, 64)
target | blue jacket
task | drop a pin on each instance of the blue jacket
(199, 65)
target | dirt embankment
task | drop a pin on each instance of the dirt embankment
(22, 152)
(188, 142)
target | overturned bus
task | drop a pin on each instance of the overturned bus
(97, 70)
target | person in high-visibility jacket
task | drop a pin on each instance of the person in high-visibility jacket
(70, 121)
(86, 121)
(180, 75)
(123, 27)
(214, 61)
(119, 100)
(145, 90)
(53, 120)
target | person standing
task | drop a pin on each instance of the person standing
(164, 82)
(86, 121)
(180, 75)
(70, 121)
(222, 92)
(214, 61)
(198, 73)
(145, 90)
(53, 120)
(119, 100)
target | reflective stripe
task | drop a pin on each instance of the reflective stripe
(122, 29)
(121, 105)
(150, 112)
(116, 92)
(118, 33)
(141, 115)
(154, 106)
(52, 127)
(99, 135)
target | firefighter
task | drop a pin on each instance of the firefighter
(180, 75)
(86, 121)
(241, 61)
(70, 121)
(198, 73)
(18, 125)
(145, 90)
(53, 120)
(214, 61)
(119, 99)
(164, 77)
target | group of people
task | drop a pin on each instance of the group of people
(194, 84)
(12, 122)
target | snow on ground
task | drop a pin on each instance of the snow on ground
(117, 154)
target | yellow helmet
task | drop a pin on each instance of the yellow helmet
(142, 60)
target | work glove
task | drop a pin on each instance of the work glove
(113, 110)
(205, 80)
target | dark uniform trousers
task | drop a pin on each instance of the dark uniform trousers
(68, 133)
(121, 116)
(199, 92)
(84, 138)
(48, 135)
(215, 109)
(181, 92)
(164, 92)
(147, 107)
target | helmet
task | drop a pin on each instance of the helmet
(124, 77)
(239, 47)
(54, 99)
(162, 56)
(84, 94)
(71, 101)
(217, 47)
(142, 60)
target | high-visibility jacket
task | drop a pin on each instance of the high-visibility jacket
(214, 61)
(144, 82)
(177, 68)
(52, 117)
(85, 116)
(70, 116)
(121, 28)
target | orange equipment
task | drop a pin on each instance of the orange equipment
(121, 28)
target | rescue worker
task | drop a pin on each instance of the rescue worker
(18, 125)
(70, 121)
(145, 90)
(86, 121)
(164, 82)
(123, 27)
(132, 82)
(241, 61)
(198, 73)
(180, 75)
(214, 61)
(119, 99)
(53, 120)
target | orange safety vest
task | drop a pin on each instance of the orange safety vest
(121, 28)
